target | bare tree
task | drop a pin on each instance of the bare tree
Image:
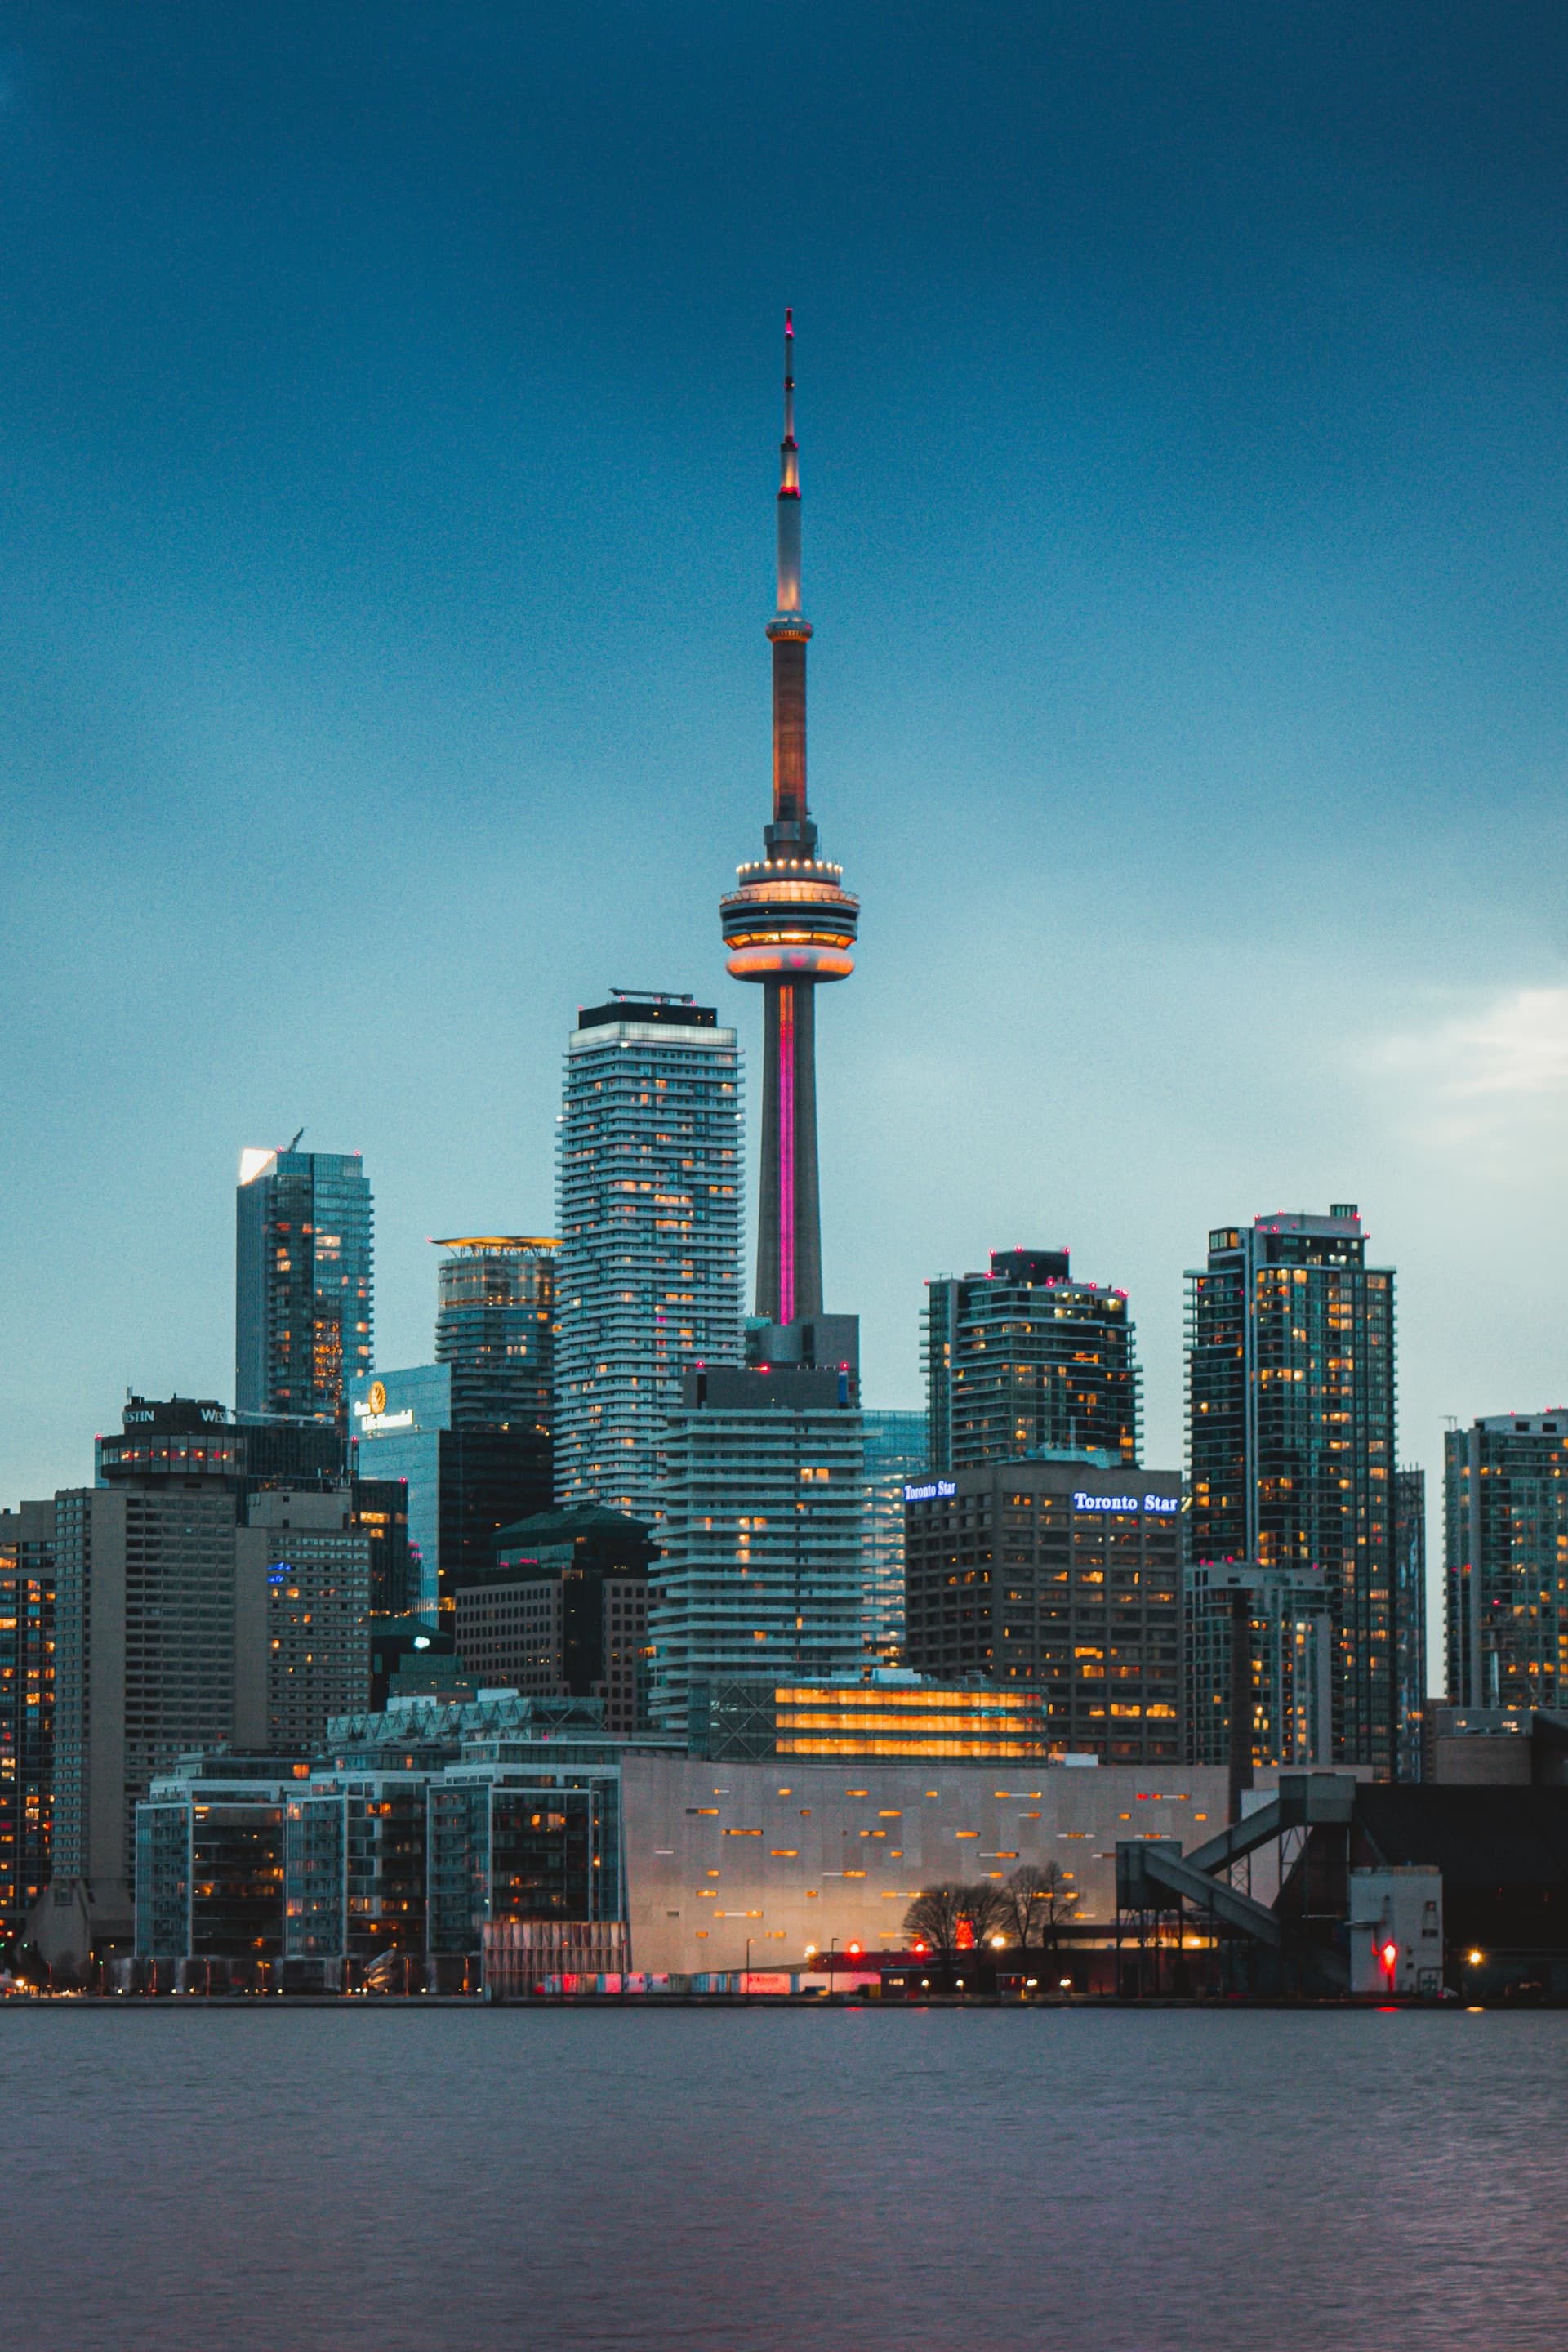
(1037, 1900)
(952, 1920)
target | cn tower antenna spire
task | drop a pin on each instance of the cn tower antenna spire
(789, 485)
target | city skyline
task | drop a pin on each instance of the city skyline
(1143, 589)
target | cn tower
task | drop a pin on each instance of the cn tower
(790, 925)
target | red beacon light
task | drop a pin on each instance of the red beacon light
(854, 1951)
(1388, 1953)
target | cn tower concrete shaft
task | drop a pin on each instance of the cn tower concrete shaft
(791, 926)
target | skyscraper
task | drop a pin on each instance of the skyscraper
(1505, 1560)
(1026, 1360)
(303, 1284)
(495, 1326)
(762, 1527)
(791, 926)
(27, 1706)
(648, 1279)
(1410, 1620)
(895, 1445)
(1290, 1396)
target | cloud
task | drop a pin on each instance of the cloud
(1484, 1073)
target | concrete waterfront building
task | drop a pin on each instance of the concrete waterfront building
(1505, 1566)
(894, 1454)
(649, 1211)
(1023, 1360)
(303, 1284)
(1290, 1431)
(563, 1612)
(1062, 1576)
(761, 1522)
(495, 1326)
(302, 1619)
(27, 1707)
(1260, 1651)
(790, 926)
(463, 1483)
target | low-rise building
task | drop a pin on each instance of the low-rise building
(562, 1613)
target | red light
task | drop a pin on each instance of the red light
(1389, 1956)
(854, 1951)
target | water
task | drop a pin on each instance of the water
(199, 2179)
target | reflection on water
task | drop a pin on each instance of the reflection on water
(213, 2180)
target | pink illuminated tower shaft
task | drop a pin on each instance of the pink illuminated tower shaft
(791, 926)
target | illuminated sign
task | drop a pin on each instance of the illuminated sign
(932, 1492)
(373, 1423)
(1160, 1505)
(377, 1397)
(277, 1575)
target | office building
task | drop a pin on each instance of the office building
(144, 1666)
(27, 1707)
(1505, 1562)
(562, 1613)
(1260, 1651)
(762, 1519)
(1061, 1576)
(883, 1711)
(1290, 1397)
(462, 1485)
(302, 1604)
(196, 1437)
(896, 1457)
(303, 1284)
(1024, 1359)
(495, 1326)
(790, 926)
(1410, 1623)
(650, 1269)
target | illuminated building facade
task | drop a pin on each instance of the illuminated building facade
(302, 1618)
(761, 1523)
(1024, 1359)
(1060, 1577)
(303, 1284)
(789, 925)
(895, 1456)
(888, 1712)
(1290, 1433)
(462, 1485)
(27, 1706)
(650, 1269)
(1259, 1644)
(1505, 1497)
(495, 1326)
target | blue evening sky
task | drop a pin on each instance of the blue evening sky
(388, 425)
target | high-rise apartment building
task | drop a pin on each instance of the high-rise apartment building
(649, 1271)
(1024, 1359)
(1505, 1560)
(895, 1457)
(27, 1706)
(303, 1284)
(1260, 1653)
(1061, 1577)
(302, 1619)
(1290, 1421)
(760, 1521)
(1410, 1621)
(495, 1326)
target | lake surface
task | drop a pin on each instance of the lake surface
(200, 2179)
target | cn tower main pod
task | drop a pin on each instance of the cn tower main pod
(791, 926)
